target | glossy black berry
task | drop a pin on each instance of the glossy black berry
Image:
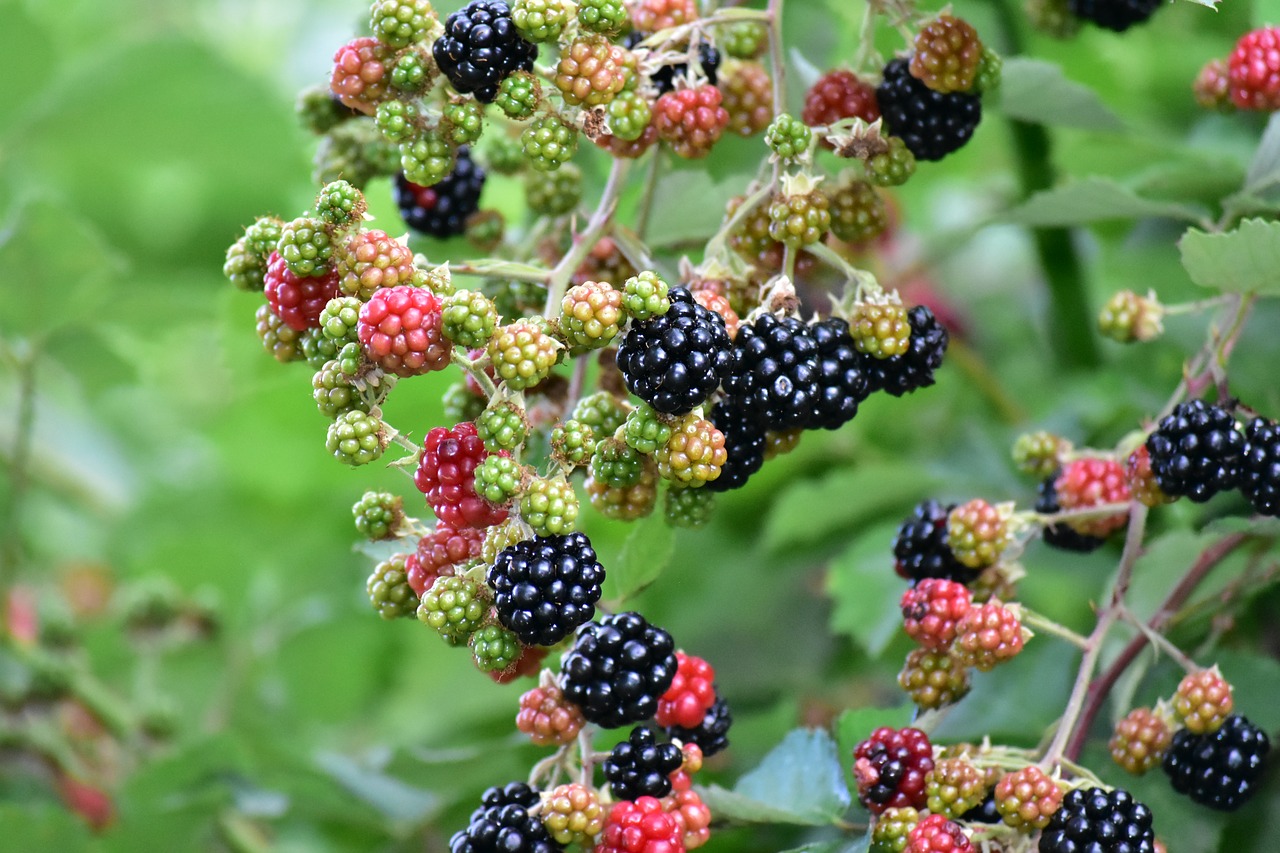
(545, 587)
(675, 361)
(441, 210)
(1219, 770)
(1260, 469)
(641, 767)
(503, 824)
(902, 374)
(841, 384)
(932, 124)
(712, 734)
(984, 812)
(776, 375)
(617, 669)
(481, 47)
(664, 78)
(1196, 451)
(744, 444)
(1062, 536)
(1093, 820)
(920, 551)
(1117, 15)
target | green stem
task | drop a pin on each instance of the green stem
(24, 360)
(650, 186)
(559, 277)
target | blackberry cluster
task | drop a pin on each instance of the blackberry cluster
(641, 767)
(932, 124)
(712, 734)
(775, 377)
(675, 361)
(1260, 470)
(902, 374)
(744, 444)
(481, 47)
(1196, 451)
(1219, 770)
(1116, 15)
(920, 551)
(617, 669)
(503, 822)
(1062, 536)
(441, 210)
(1099, 821)
(545, 587)
(841, 382)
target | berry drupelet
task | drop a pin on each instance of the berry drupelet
(775, 377)
(1099, 821)
(920, 550)
(744, 444)
(1196, 451)
(1260, 470)
(481, 47)
(902, 374)
(545, 587)
(932, 124)
(617, 669)
(841, 384)
(641, 767)
(441, 210)
(1220, 770)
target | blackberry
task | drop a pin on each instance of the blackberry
(932, 124)
(712, 734)
(920, 550)
(545, 587)
(441, 210)
(984, 812)
(503, 823)
(1099, 821)
(664, 79)
(617, 669)
(776, 373)
(641, 767)
(1196, 451)
(674, 362)
(1116, 15)
(1220, 770)
(902, 374)
(1260, 469)
(744, 444)
(841, 384)
(891, 766)
(481, 47)
(1062, 536)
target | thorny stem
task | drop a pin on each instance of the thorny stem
(19, 462)
(1160, 641)
(559, 277)
(650, 187)
(1045, 625)
(1209, 365)
(1099, 511)
(472, 367)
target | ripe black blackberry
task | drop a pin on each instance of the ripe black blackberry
(841, 383)
(503, 823)
(545, 587)
(1219, 770)
(675, 361)
(1099, 821)
(1196, 451)
(932, 124)
(744, 444)
(441, 210)
(776, 374)
(902, 374)
(1062, 536)
(641, 767)
(664, 79)
(920, 551)
(481, 47)
(712, 734)
(1117, 15)
(984, 812)
(617, 669)
(1260, 469)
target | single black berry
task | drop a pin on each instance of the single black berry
(1062, 536)
(545, 587)
(1196, 451)
(776, 375)
(744, 444)
(641, 767)
(902, 374)
(1219, 770)
(1099, 821)
(984, 812)
(840, 380)
(503, 824)
(664, 78)
(1117, 15)
(617, 669)
(1260, 469)
(920, 551)
(932, 124)
(481, 47)
(712, 734)
(676, 360)
(441, 210)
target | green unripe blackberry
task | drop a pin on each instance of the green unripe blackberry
(334, 392)
(262, 237)
(398, 120)
(499, 479)
(317, 349)
(437, 279)
(602, 412)
(357, 438)
(503, 155)
(469, 319)
(378, 515)
(244, 268)
(484, 230)
(572, 443)
(1040, 453)
(788, 137)
(502, 536)
(502, 426)
(645, 430)
(954, 786)
(629, 115)
(427, 158)
(461, 404)
(541, 20)
(858, 213)
(893, 825)
(590, 316)
(615, 465)
(351, 360)
(494, 648)
(990, 71)
(399, 23)
(339, 318)
(688, 507)
(519, 96)
(389, 590)
(644, 295)
(799, 219)
(339, 204)
(548, 143)
(277, 337)
(517, 298)
(744, 39)
(1128, 317)
(411, 73)
(880, 328)
(319, 111)
(455, 607)
(523, 354)
(554, 193)
(306, 247)
(550, 507)
(464, 121)
(356, 151)
(606, 17)
(893, 167)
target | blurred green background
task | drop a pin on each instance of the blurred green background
(137, 138)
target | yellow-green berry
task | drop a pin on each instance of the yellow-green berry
(572, 443)
(590, 314)
(690, 508)
(644, 295)
(357, 438)
(645, 430)
(550, 507)
(469, 319)
(523, 354)
(378, 515)
(502, 426)
(389, 590)
(499, 479)
(455, 607)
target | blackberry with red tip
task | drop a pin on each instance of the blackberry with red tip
(776, 373)
(1260, 470)
(932, 124)
(545, 587)
(1115, 15)
(1094, 820)
(712, 734)
(481, 47)
(617, 669)
(641, 767)
(903, 374)
(1220, 770)
(744, 444)
(1196, 451)
(1062, 536)
(503, 824)
(441, 210)
(891, 766)
(920, 550)
(675, 361)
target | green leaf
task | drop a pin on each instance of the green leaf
(645, 554)
(854, 845)
(392, 798)
(801, 781)
(1093, 200)
(861, 581)
(1036, 91)
(1243, 260)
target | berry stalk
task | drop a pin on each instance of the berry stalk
(558, 278)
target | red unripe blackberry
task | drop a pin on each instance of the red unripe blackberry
(692, 815)
(1061, 536)
(652, 15)
(399, 328)
(936, 834)
(691, 120)
(1027, 798)
(1253, 70)
(932, 124)
(590, 71)
(1260, 468)
(920, 549)
(359, 76)
(441, 210)
(932, 609)
(640, 827)
(1099, 821)
(545, 587)
(439, 552)
(1203, 701)
(1212, 86)
(1220, 770)
(617, 669)
(675, 361)
(839, 94)
(890, 767)
(480, 47)
(548, 718)
(1196, 451)
(1090, 482)
(712, 734)
(371, 260)
(297, 300)
(1140, 741)
(641, 767)
(691, 695)
(446, 475)
(1115, 15)
(987, 635)
(748, 97)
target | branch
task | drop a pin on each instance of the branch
(559, 276)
